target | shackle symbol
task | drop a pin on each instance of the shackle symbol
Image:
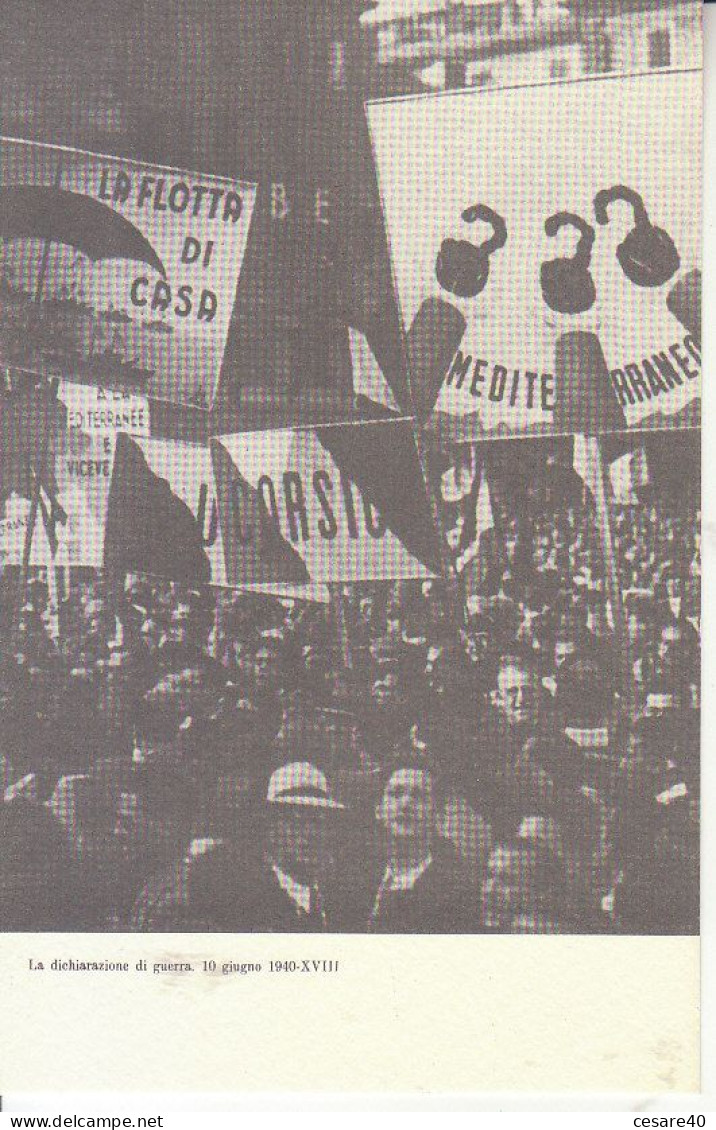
(567, 285)
(647, 255)
(462, 268)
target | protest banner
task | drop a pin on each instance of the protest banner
(55, 482)
(162, 515)
(337, 503)
(118, 273)
(556, 287)
(100, 411)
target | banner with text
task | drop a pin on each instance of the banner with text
(117, 273)
(336, 503)
(72, 468)
(554, 285)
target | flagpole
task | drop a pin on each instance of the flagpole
(54, 600)
(54, 386)
(64, 585)
(216, 649)
(453, 587)
(338, 601)
(34, 506)
(604, 525)
(427, 349)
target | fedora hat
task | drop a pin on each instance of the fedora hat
(301, 784)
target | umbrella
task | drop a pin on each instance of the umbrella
(45, 212)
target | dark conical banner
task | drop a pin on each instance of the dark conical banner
(162, 516)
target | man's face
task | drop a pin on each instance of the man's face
(509, 886)
(264, 665)
(178, 630)
(152, 633)
(670, 636)
(563, 648)
(516, 695)
(139, 833)
(301, 839)
(385, 689)
(407, 809)
(366, 608)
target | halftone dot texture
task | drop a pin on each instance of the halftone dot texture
(553, 282)
(129, 271)
(427, 604)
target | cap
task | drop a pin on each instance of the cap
(300, 783)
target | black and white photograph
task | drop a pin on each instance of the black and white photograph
(350, 470)
(534, 729)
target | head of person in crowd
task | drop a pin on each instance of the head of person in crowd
(570, 639)
(191, 620)
(676, 664)
(164, 717)
(537, 592)
(133, 605)
(585, 695)
(153, 815)
(418, 747)
(265, 664)
(302, 821)
(37, 598)
(37, 877)
(315, 671)
(406, 812)
(672, 583)
(637, 625)
(189, 717)
(502, 617)
(387, 690)
(180, 624)
(455, 675)
(153, 629)
(524, 889)
(677, 641)
(516, 691)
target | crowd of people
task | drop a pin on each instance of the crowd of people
(539, 577)
(395, 759)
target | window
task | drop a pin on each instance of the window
(598, 51)
(481, 78)
(485, 19)
(659, 48)
(558, 68)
